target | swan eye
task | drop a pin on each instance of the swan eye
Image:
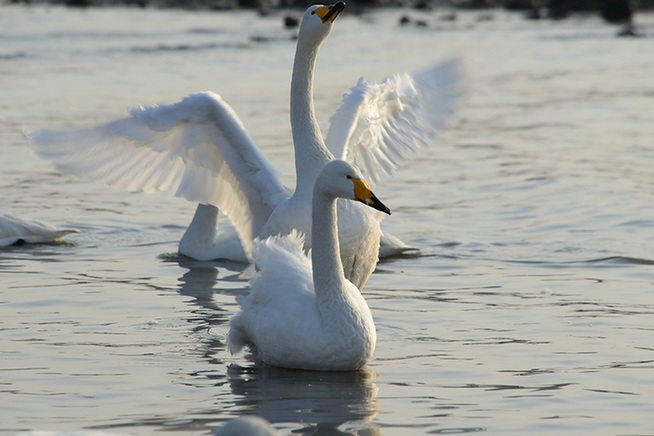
(313, 12)
(349, 177)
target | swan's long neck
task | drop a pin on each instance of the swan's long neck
(328, 277)
(311, 154)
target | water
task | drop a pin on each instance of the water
(529, 310)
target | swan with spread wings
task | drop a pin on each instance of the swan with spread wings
(199, 149)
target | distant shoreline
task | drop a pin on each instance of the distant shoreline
(612, 11)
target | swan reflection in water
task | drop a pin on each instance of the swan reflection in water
(325, 402)
(334, 403)
(201, 279)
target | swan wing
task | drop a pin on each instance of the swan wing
(197, 149)
(281, 296)
(284, 269)
(380, 125)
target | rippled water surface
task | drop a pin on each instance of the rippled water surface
(530, 309)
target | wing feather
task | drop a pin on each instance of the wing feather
(381, 125)
(196, 149)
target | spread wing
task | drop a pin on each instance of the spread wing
(380, 125)
(197, 149)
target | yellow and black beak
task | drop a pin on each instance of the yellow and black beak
(329, 13)
(363, 193)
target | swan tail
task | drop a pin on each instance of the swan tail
(390, 245)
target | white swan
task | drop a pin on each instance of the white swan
(247, 426)
(198, 149)
(15, 230)
(304, 314)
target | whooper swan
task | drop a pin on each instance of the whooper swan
(16, 231)
(198, 149)
(304, 313)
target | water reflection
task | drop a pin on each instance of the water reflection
(328, 403)
(200, 282)
(201, 278)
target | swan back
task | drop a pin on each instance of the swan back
(247, 426)
(14, 230)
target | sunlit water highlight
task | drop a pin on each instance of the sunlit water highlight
(528, 311)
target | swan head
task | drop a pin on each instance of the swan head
(317, 22)
(343, 180)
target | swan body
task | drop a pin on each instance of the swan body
(202, 241)
(247, 426)
(15, 230)
(198, 149)
(303, 313)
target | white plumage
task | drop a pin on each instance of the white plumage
(191, 149)
(14, 230)
(198, 149)
(381, 125)
(303, 313)
(247, 426)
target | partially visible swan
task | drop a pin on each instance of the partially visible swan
(247, 426)
(15, 230)
(305, 314)
(198, 149)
